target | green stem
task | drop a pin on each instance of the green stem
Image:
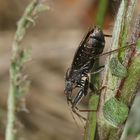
(120, 34)
(101, 12)
(16, 66)
(10, 134)
(91, 129)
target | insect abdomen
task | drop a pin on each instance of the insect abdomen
(91, 46)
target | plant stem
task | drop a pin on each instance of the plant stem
(101, 13)
(91, 129)
(119, 39)
(16, 66)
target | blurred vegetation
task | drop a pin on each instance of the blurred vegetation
(18, 81)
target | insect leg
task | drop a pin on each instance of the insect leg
(98, 70)
(78, 98)
(83, 92)
(106, 35)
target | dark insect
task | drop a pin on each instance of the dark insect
(85, 56)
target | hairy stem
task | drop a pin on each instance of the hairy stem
(17, 61)
(111, 82)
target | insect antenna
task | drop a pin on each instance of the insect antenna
(80, 116)
(115, 50)
(75, 121)
(74, 111)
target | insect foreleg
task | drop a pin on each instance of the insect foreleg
(83, 92)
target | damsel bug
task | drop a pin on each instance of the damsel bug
(85, 56)
(90, 48)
